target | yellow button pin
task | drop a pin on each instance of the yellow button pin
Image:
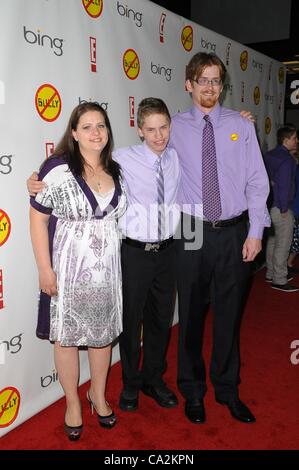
(234, 136)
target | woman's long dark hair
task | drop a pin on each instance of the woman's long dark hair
(69, 148)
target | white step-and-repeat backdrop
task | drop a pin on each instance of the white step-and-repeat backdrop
(53, 54)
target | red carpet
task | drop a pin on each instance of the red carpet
(269, 387)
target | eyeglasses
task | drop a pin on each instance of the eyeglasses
(203, 81)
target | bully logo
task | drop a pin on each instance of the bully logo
(281, 74)
(93, 8)
(48, 102)
(43, 40)
(5, 227)
(256, 95)
(268, 125)
(131, 64)
(9, 406)
(187, 38)
(244, 60)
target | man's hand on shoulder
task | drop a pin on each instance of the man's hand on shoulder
(248, 115)
(33, 185)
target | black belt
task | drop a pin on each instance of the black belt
(224, 223)
(148, 246)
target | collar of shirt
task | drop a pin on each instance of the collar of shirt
(214, 114)
(153, 157)
(285, 149)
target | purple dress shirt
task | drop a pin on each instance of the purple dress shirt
(138, 165)
(243, 179)
(281, 168)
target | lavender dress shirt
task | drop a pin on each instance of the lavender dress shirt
(138, 165)
(242, 175)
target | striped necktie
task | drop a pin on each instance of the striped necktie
(160, 199)
(210, 185)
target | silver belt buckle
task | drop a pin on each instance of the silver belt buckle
(214, 224)
(152, 247)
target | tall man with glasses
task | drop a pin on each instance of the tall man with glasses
(223, 179)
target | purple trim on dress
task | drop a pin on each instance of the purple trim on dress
(39, 207)
(99, 214)
(51, 163)
(115, 199)
(87, 191)
(112, 204)
(43, 321)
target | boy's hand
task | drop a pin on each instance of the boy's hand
(247, 115)
(33, 185)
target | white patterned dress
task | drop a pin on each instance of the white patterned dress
(85, 250)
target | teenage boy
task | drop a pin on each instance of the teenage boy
(151, 175)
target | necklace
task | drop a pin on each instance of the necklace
(95, 178)
(98, 182)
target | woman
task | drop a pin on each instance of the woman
(73, 224)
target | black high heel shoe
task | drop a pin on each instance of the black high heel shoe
(73, 432)
(104, 421)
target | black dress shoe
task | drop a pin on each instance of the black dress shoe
(238, 410)
(73, 432)
(106, 421)
(195, 411)
(161, 394)
(128, 400)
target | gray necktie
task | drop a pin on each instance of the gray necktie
(160, 199)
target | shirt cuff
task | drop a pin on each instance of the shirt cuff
(256, 232)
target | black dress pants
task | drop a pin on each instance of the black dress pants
(148, 301)
(217, 273)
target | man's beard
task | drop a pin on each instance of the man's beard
(208, 101)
